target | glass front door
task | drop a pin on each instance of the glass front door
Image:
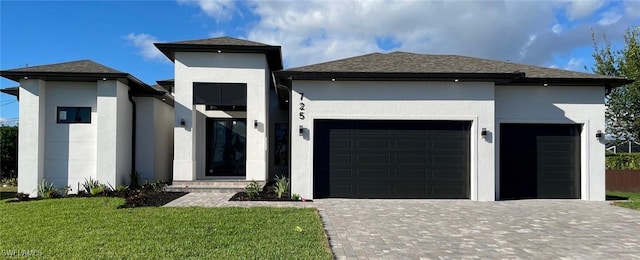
(226, 147)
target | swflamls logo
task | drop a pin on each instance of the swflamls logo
(17, 253)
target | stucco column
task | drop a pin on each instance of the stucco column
(183, 135)
(113, 133)
(31, 135)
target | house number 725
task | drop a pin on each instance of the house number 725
(301, 115)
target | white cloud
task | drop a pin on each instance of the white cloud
(577, 9)
(217, 9)
(632, 8)
(610, 17)
(575, 64)
(557, 28)
(144, 43)
(315, 31)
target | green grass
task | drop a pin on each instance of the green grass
(633, 199)
(90, 228)
(8, 192)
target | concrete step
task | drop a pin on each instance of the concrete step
(217, 186)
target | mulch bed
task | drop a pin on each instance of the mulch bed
(264, 195)
(134, 198)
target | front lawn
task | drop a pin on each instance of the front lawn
(633, 199)
(91, 228)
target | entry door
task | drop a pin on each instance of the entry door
(226, 147)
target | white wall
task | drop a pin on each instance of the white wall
(70, 149)
(114, 133)
(394, 100)
(219, 68)
(31, 135)
(560, 105)
(154, 139)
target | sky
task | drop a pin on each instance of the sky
(120, 34)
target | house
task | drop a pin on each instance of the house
(394, 125)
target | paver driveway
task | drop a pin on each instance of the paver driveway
(526, 229)
(412, 229)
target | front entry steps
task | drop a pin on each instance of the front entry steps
(215, 186)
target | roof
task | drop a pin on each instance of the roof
(224, 44)
(14, 91)
(80, 70)
(412, 66)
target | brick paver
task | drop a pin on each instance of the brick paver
(442, 229)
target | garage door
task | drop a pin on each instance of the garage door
(539, 161)
(391, 159)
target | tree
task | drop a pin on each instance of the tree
(8, 151)
(622, 103)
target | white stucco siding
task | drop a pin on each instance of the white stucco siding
(218, 68)
(114, 133)
(561, 105)
(471, 102)
(70, 149)
(31, 136)
(163, 134)
(154, 139)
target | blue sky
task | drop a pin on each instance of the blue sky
(120, 34)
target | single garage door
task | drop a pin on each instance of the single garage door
(391, 159)
(540, 161)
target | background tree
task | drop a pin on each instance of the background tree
(8, 151)
(623, 103)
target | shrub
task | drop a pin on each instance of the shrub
(295, 196)
(252, 189)
(623, 161)
(47, 190)
(156, 186)
(282, 185)
(90, 184)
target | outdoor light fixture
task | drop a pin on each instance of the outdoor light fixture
(182, 122)
(25, 77)
(301, 130)
(104, 79)
(545, 85)
(456, 80)
(255, 123)
(599, 134)
(483, 132)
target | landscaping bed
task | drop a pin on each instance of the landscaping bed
(272, 191)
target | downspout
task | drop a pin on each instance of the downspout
(133, 133)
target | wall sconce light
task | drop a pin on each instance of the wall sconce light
(182, 122)
(301, 130)
(255, 123)
(599, 134)
(484, 132)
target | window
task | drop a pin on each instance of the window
(71, 115)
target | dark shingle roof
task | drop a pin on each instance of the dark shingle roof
(81, 70)
(407, 65)
(14, 91)
(221, 41)
(80, 66)
(224, 44)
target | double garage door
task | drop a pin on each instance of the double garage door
(391, 159)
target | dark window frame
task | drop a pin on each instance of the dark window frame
(76, 117)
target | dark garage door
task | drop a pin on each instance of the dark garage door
(391, 159)
(539, 161)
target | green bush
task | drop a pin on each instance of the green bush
(252, 189)
(623, 161)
